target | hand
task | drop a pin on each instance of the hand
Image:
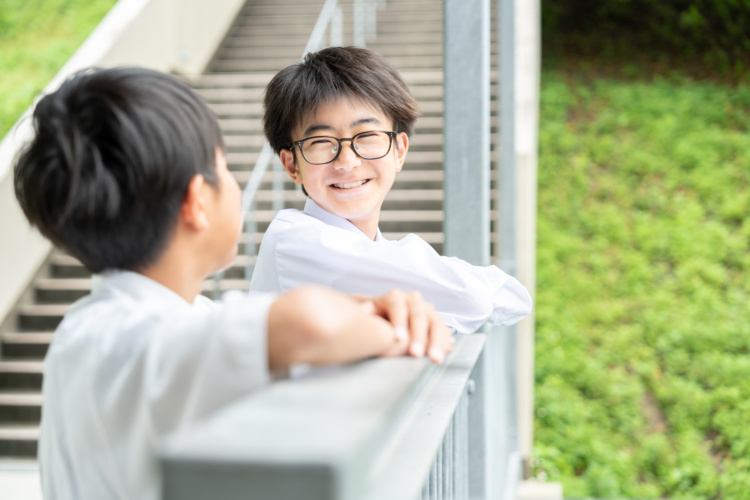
(418, 328)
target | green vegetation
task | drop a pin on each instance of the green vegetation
(36, 38)
(643, 293)
(711, 37)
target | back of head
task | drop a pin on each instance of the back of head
(113, 154)
(327, 76)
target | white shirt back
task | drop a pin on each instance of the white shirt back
(130, 363)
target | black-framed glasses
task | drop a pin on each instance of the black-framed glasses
(322, 149)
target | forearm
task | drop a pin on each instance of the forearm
(319, 326)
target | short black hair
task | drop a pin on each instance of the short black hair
(113, 154)
(328, 75)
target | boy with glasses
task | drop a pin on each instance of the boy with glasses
(340, 122)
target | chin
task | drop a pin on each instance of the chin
(227, 262)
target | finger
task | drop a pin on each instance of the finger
(393, 307)
(441, 339)
(419, 323)
(360, 297)
(367, 306)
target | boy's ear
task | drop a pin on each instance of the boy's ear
(287, 159)
(402, 147)
(194, 205)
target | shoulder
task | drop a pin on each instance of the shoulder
(291, 216)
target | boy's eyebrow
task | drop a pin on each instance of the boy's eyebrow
(320, 127)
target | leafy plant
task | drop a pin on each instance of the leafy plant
(643, 324)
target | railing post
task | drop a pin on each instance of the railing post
(519, 58)
(371, 20)
(337, 28)
(466, 131)
(358, 23)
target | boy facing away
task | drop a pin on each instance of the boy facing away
(340, 122)
(127, 173)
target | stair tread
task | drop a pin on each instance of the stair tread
(44, 309)
(21, 398)
(19, 432)
(21, 366)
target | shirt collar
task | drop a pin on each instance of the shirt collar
(313, 210)
(136, 286)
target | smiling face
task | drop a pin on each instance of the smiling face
(349, 187)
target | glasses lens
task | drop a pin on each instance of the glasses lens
(367, 145)
(372, 145)
(320, 149)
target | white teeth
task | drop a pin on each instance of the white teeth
(349, 185)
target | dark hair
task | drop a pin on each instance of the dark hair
(328, 75)
(114, 152)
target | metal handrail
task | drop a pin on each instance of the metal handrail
(383, 429)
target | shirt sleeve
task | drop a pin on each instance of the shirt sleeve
(466, 296)
(204, 361)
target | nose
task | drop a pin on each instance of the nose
(347, 159)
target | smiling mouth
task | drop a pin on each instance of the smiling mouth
(350, 185)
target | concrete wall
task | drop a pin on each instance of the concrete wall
(169, 35)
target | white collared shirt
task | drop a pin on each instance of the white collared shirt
(130, 363)
(317, 247)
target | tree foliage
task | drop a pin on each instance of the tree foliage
(715, 33)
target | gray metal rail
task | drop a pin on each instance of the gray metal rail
(384, 429)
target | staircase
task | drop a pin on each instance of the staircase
(267, 36)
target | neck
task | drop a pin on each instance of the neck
(177, 273)
(186, 287)
(369, 227)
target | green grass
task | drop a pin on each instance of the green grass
(37, 37)
(643, 292)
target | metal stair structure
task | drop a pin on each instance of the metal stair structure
(267, 36)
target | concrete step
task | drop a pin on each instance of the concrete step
(239, 80)
(20, 406)
(61, 291)
(294, 53)
(266, 41)
(19, 441)
(308, 16)
(413, 50)
(22, 374)
(41, 317)
(232, 126)
(252, 8)
(24, 345)
(391, 30)
(222, 94)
